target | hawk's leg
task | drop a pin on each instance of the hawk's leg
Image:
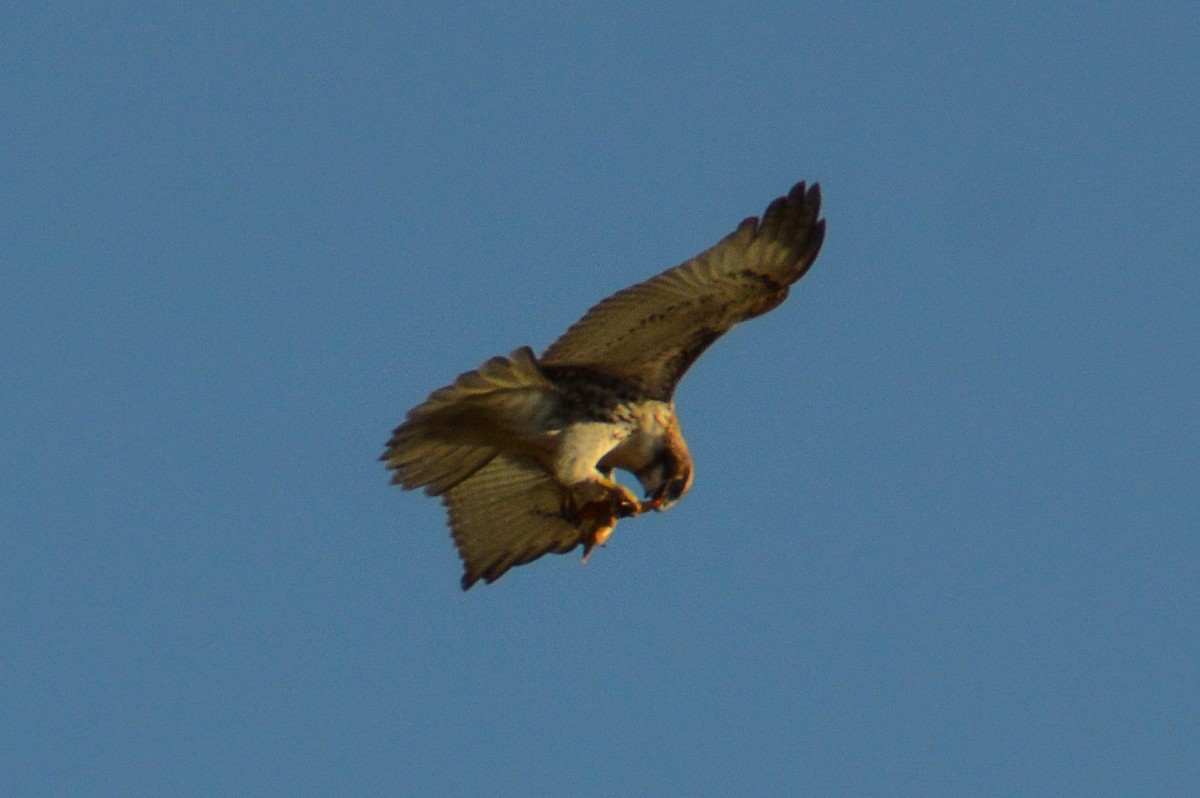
(604, 495)
(594, 507)
(580, 448)
(597, 519)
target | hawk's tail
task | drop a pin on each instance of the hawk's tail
(457, 430)
(509, 513)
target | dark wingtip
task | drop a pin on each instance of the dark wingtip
(803, 192)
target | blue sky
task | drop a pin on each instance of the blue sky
(943, 536)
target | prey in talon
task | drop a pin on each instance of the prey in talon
(522, 450)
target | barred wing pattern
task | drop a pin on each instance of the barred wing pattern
(649, 334)
(508, 513)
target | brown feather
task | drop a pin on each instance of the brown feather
(508, 513)
(501, 406)
(649, 334)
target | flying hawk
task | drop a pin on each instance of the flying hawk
(522, 449)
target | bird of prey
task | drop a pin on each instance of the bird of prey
(522, 450)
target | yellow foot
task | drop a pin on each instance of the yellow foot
(597, 515)
(606, 492)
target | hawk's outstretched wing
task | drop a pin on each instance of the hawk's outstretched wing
(650, 333)
(462, 426)
(511, 512)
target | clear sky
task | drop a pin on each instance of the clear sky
(944, 538)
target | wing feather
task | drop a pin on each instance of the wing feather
(459, 428)
(650, 333)
(508, 513)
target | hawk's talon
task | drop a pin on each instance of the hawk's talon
(594, 509)
(619, 501)
(625, 505)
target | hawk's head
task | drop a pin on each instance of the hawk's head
(668, 476)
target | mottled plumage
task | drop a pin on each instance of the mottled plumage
(522, 449)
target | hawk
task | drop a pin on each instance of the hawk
(522, 450)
